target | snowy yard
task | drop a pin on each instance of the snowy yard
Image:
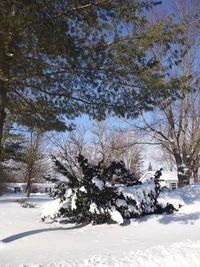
(157, 240)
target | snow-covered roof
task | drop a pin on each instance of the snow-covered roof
(166, 176)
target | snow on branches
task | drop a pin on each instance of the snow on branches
(103, 195)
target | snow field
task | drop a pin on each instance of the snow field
(152, 241)
(182, 254)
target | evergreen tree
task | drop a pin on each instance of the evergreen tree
(12, 141)
(100, 196)
(60, 59)
(150, 167)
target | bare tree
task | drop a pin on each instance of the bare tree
(33, 164)
(69, 147)
(176, 124)
(112, 144)
(104, 144)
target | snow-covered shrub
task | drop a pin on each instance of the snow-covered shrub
(105, 194)
(24, 203)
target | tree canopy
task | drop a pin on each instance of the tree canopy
(60, 59)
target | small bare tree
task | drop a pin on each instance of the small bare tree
(32, 165)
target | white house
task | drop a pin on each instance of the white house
(35, 187)
(169, 179)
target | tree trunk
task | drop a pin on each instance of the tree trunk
(183, 178)
(2, 115)
(28, 187)
(195, 174)
(188, 174)
(5, 72)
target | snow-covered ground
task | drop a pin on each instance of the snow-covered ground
(152, 241)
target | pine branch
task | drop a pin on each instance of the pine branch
(79, 8)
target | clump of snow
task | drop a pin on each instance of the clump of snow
(108, 184)
(51, 208)
(98, 183)
(68, 193)
(93, 208)
(83, 189)
(131, 208)
(73, 203)
(121, 202)
(116, 215)
(180, 197)
(139, 194)
(171, 197)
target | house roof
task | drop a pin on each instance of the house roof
(166, 176)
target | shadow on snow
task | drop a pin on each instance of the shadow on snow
(37, 231)
(182, 218)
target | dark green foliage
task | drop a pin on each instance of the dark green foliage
(117, 173)
(12, 150)
(169, 208)
(73, 181)
(12, 142)
(60, 59)
(95, 199)
(157, 180)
